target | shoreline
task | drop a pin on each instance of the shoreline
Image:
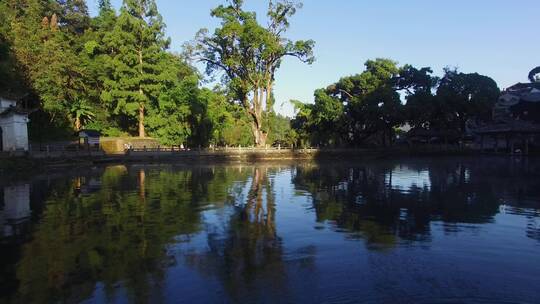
(16, 167)
(67, 159)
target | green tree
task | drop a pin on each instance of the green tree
(11, 79)
(73, 15)
(249, 54)
(81, 113)
(321, 123)
(466, 97)
(302, 123)
(372, 105)
(216, 121)
(169, 121)
(354, 109)
(422, 108)
(280, 127)
(47, 58)
(95, 56)
(138, 69)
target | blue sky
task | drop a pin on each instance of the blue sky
(492, 37)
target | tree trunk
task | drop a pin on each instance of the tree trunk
(141, 120)
(256, 126)
(269, 96)
(141, 104)
(77, 124)
(259, 135)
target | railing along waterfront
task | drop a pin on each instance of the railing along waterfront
(216, 149)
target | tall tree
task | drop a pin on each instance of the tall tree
(11, 79)
(422, 108)
(42, 48)
(73, 15)
(372, 105)
(466, 97)
(137, 67)
(327, 116)
(249, 54)
(168, 121)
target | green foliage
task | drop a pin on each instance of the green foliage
(356, 107)
(466, 97)
(113, 73)
(138, 66)
(366, 109)
(81, 113)
(248, 54)
(73, 15)
(320, 123)
(46, 56)
(216, 121)
(10, 76)
(89, 72)
(422, 105)
(169, 120)
(280, 130)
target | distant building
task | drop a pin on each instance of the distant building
(520, 101)
(89, 137)
(516, 119)
(13, 126)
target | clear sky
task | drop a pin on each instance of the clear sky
(497, 38)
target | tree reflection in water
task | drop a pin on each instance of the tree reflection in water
(118, 231)
(248, 258)
(368, 202)
(114, 229)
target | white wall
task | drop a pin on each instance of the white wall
(14, 132)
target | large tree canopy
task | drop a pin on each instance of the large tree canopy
(139, 66)
(367, 109)
(422, 108)
(465, 97)
(357, 107)
(114, 72)
(111, 72)
(248, 54)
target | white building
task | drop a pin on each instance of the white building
(13, 126)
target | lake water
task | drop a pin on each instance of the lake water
(444, 230)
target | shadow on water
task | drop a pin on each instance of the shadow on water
(124, 232)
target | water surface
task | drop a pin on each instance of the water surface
(448, 230)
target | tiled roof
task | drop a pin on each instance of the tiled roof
(521, 86)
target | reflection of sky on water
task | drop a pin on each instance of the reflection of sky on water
(403, 178)
(415, 232)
